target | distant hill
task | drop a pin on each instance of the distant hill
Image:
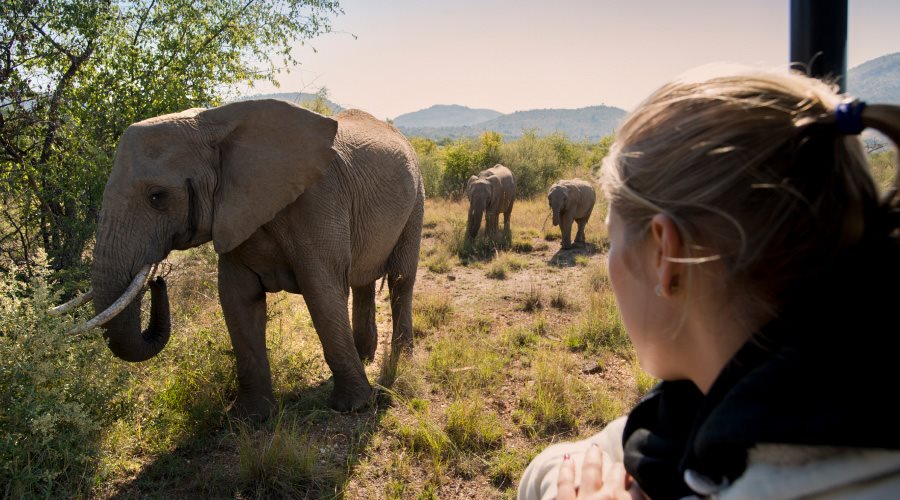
(444, 115)
(877, 80)
(294, 97)
(590, 123)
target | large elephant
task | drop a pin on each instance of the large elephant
(292, 201)
(491, 193)
(571, 200)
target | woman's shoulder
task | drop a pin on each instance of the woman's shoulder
(790, 471)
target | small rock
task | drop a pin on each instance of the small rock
(450, 277)
(591, 367)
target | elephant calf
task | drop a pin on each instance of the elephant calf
(491, 192)
(571, 200)
(292, 201)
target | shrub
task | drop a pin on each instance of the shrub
(56, 391)
(537, 162)
(429, 164)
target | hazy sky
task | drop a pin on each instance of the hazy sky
(523, 54)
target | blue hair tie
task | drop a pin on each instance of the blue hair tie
(848, 116)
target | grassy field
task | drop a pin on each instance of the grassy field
(518, 346)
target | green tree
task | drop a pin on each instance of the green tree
(319, 104)
(429, 164)
(460, 162)
(75, 74)
(488, 153)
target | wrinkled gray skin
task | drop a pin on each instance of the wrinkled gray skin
(491, 193)
(292, 201)
(571, 200)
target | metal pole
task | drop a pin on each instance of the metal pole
(819, 39)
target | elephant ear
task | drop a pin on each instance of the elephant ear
(270, 152)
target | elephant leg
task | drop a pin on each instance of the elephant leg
(244, 307)
(493, 222)
(506, 221)
(566, 228)
(365, 333)
(326, 299)
(579, 236)
(401, 278)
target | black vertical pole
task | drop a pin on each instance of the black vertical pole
(819, 38)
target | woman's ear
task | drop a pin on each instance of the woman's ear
(668, 248)
(270, 152)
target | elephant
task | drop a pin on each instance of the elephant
(292, 201)
(571, 199)
(491, 193)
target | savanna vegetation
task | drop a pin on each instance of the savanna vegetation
(517, 344)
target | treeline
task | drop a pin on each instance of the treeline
(537, 162)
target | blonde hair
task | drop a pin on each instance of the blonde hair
(753, 171)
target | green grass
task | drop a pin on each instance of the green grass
(598, 277)
(560, 301)
(506, 467)
(600, 328)
(472, 427)
(439, 262)
(556, 402)
(285, 462)
(582, 260)
(642, 380)
(504, 264)
(532, 300)
(457, 364)
(430, 312)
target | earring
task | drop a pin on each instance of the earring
(658, 290)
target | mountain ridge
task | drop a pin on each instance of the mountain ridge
(587, 123)
(876, 80)
(446, 115)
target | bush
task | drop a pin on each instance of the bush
(429, 164)
(537, 162)
(55, 394)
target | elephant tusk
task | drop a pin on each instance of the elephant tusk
(120, 304)
(72, 304)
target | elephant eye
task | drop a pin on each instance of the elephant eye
(157, 198)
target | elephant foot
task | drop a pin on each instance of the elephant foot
(366, 343)
(347, 400)
(253, 409)
(567, 246)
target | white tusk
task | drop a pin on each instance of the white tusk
(120, 304)
(72, 304)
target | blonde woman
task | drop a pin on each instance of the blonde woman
(757, 272)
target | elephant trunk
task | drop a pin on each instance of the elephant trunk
(472, 227)
(123, 332)
(555, 217)
(117, 289)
